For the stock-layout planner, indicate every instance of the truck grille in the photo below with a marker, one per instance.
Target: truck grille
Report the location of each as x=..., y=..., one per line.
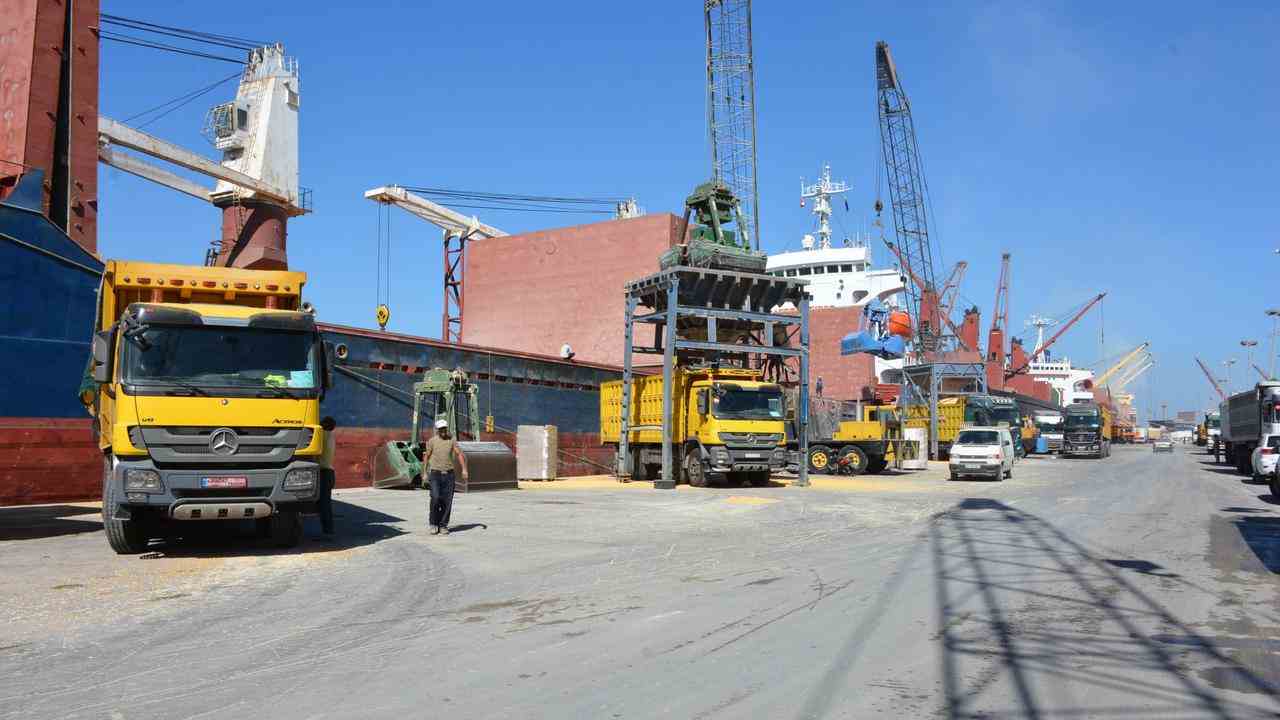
x=190, y=445
x=1081, y=437
x=751, y=439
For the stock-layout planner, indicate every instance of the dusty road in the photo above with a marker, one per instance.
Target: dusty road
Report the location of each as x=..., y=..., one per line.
x=1143, y=586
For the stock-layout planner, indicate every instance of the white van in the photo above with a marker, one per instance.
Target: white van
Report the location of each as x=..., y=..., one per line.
x=983, y=451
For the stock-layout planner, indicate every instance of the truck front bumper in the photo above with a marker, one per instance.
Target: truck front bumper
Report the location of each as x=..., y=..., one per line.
x=222, y=494
x=728, y=459
x=1080, y=448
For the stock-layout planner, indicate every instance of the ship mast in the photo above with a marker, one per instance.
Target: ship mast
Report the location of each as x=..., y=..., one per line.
x=821, y=193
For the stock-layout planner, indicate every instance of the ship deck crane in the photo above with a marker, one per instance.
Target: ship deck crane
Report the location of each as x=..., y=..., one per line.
x=458, y=230
x=995, y=359
x=951, y=291
x=1204, y=368
x=1128, y=357
x=257, y=186
x=1047, y=343
x=1130, y=377
x=1261, y=373
x=918, y=283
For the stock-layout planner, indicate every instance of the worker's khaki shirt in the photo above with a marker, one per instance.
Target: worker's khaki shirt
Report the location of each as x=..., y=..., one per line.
x=440, y=451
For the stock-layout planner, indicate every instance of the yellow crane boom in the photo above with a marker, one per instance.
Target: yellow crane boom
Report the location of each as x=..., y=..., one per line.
x=1102, y=380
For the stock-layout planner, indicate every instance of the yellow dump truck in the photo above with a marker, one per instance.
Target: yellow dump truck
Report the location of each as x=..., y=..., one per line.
x=205, y=386
x=954, y=413
x=725, y=424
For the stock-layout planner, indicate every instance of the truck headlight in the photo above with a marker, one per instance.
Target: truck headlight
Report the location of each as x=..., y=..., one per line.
x=301, y=480
x=142, y=481
x=721, y=455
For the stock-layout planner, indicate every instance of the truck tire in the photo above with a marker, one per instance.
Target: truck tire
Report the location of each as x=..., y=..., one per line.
x=694, y=472
x=286, y=528
x=1008, y=474
x=876, y=465
x=126, y=537
x=853, y=461
x=821, y=459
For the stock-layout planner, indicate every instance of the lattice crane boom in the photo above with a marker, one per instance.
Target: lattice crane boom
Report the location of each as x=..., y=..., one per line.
x=1128, y=358
x=731, y=105
x=908, y=195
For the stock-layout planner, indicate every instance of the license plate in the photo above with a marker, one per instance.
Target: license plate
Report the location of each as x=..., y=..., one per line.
x=750, y=455
x=972, y=466
x=222, y=483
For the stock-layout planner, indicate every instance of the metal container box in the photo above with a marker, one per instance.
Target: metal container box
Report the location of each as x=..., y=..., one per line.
x=491, y=465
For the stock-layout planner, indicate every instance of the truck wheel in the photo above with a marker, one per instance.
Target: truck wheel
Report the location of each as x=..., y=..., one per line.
x=1008, y=474
x=126, y=537
x=694, y=473
x=876, y=465
x=852, y=460
x=286, y=528
x=821, y=459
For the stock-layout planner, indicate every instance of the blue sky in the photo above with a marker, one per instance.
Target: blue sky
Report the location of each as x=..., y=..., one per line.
x=1125, y=147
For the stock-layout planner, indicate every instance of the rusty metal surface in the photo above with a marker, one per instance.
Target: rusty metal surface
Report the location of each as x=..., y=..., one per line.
x=491, y=465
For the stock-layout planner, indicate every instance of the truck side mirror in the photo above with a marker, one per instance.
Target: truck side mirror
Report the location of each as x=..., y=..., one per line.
x=327, y=423
x=326, y=371
x=703, y=402
x=102, y=365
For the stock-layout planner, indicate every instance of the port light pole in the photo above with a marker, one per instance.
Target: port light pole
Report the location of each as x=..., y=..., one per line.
x=1229, y=362
x=1274, y=313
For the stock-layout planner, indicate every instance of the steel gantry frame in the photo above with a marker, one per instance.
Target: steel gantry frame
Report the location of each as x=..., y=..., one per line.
x=717, y=301
x=971, y=379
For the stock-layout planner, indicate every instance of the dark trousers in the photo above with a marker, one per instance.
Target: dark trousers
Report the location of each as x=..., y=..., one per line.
x=441, y=485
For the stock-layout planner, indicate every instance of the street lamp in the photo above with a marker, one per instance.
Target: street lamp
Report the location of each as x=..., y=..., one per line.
x=1275, y=327
x=1229, y=363
x=1248, y=346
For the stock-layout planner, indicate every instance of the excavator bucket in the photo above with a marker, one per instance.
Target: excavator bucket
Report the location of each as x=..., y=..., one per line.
x=396, y=465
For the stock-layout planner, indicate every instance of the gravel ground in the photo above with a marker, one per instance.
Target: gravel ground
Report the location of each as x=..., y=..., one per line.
x=1141, y=586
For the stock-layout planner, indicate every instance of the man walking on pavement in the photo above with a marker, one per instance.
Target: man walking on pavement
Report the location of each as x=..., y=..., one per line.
x=439, y=456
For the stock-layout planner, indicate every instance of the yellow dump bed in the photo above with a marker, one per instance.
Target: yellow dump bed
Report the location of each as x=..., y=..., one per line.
x=125, y=282
x=950, y=418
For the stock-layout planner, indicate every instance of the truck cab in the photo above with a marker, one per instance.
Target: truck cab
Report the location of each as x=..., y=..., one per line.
x=1087, y=430
x=206, y=410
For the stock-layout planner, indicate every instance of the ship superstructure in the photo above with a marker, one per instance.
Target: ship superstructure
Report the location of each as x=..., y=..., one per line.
x=839, y=276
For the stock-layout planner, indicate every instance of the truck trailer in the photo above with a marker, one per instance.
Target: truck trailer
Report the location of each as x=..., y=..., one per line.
x=726, y=424
x=205, y=386
x=1247, y=419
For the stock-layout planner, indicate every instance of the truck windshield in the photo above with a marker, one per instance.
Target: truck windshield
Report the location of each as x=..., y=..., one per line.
x=978, y=437
x=1049, y=425
x=221, y=357
x=1083, y=421
x=738, y=404
x=1215, y=422
x=1006, y=414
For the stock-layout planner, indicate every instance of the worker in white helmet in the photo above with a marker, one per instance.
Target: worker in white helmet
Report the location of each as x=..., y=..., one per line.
x=439, y=456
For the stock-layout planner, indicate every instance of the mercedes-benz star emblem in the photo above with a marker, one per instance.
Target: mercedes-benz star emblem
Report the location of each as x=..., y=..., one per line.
x=224, y=441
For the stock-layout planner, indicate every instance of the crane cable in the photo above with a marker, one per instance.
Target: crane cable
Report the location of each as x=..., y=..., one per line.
x=178, y=102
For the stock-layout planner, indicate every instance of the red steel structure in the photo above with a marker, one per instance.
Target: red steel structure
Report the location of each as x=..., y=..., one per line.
x=48, y=101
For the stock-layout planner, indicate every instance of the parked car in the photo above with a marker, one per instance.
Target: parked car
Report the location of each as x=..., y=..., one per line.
x=984, y=452
x=1162, y=446
x=1264, y=458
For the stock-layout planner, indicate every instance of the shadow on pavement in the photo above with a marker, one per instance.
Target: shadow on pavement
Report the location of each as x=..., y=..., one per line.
x=46, y=521
x=1034, y=625
x=468, y=526
x=1262, y=535
x=354, y=526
